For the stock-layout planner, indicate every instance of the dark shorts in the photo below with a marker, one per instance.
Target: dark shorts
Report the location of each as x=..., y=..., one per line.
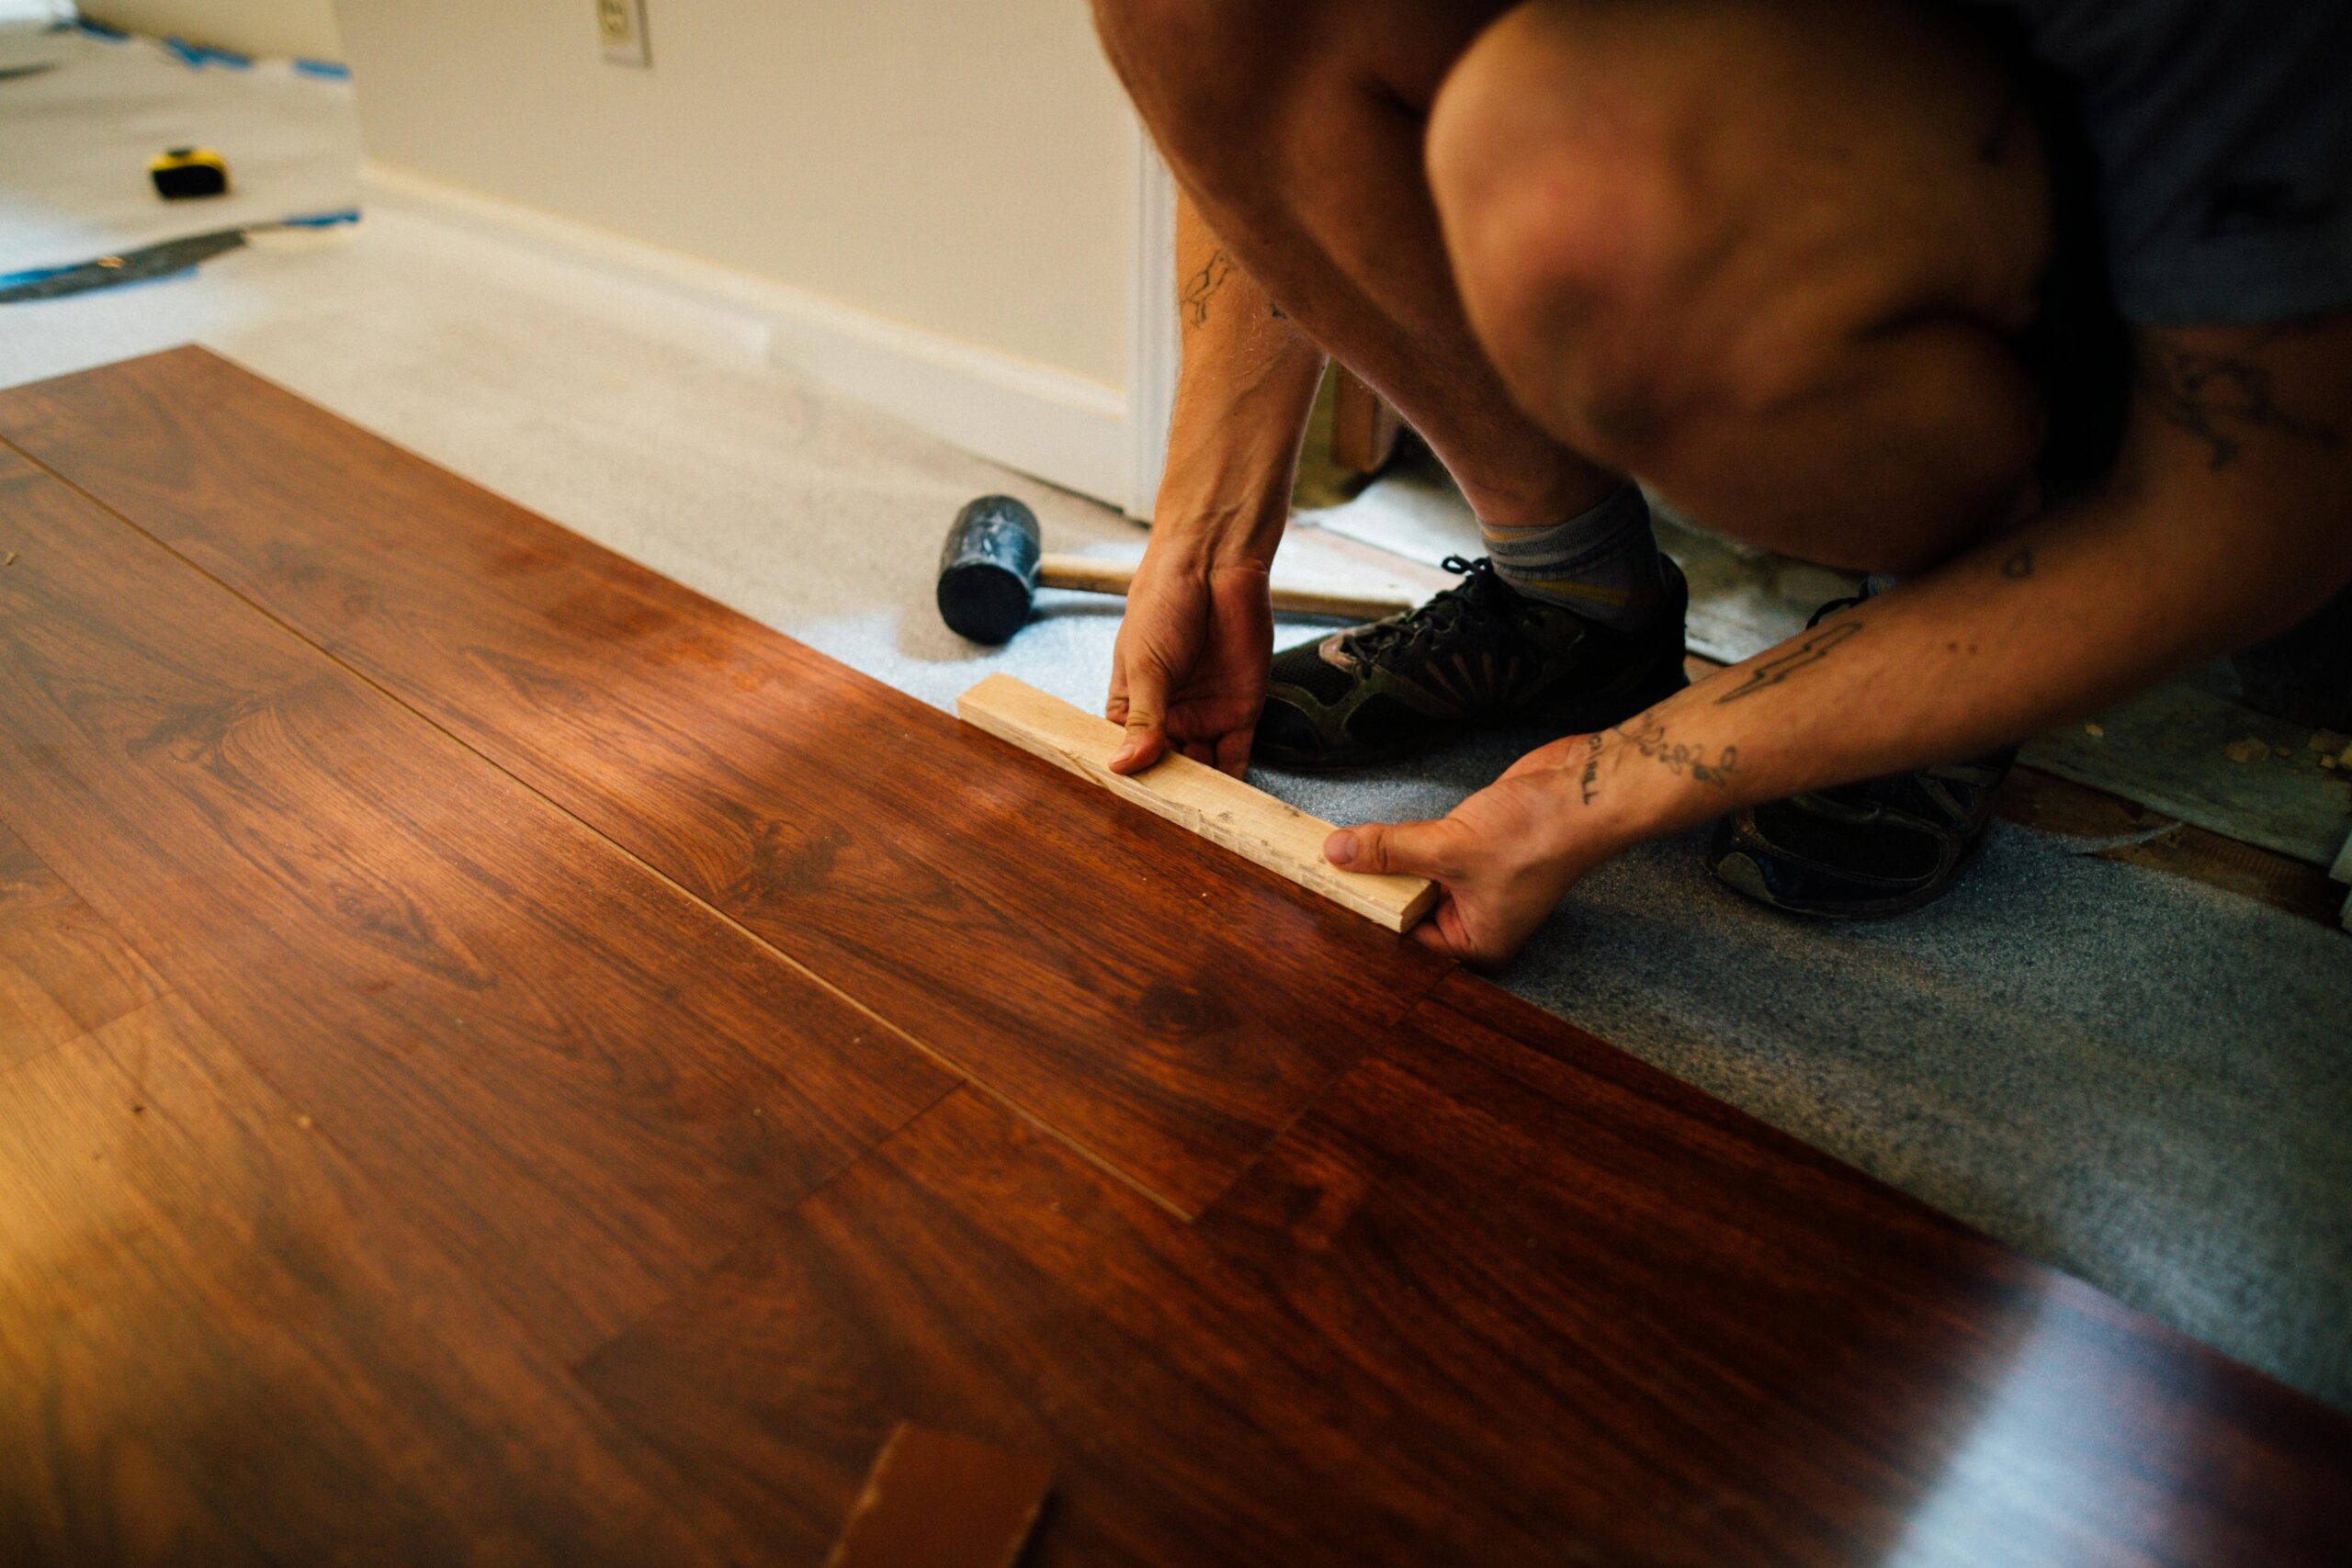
x=2200, y=158
x=2218, y=136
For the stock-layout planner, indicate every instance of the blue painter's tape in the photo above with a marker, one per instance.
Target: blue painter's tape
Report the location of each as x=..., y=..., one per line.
x=306, y=220
x=34, y=275
x=318, y=220
x=15, y=279
x=326, y=69
x=197, y=56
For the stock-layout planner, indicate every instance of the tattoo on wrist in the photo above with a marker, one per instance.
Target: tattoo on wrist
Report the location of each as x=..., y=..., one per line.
x=2220, y=396
x=1202, y=286
x=1648, y=736
x=1590, y=783
x=1816, y=647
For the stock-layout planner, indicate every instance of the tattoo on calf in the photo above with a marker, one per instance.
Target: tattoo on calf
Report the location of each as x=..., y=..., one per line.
x=1812, y=651
x=2217, y=395
x=1202, y=286
x=1649, y=738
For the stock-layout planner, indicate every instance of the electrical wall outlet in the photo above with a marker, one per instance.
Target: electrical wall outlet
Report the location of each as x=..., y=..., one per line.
x=620, y=31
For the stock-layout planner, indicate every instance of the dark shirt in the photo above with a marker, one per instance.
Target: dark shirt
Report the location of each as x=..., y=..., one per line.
x=2220, y=140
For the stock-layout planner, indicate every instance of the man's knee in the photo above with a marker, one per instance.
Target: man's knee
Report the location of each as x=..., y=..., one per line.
x=1641, y=235
x=1580, y=244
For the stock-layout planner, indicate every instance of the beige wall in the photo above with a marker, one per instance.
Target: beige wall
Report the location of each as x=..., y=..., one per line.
x=963, y=166
x=304, y=28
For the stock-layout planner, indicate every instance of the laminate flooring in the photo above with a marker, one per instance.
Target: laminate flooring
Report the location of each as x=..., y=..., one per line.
x=503, y=1059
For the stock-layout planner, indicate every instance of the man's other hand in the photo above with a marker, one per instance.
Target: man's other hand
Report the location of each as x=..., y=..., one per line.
x=1505, y=857
x=1189, y=670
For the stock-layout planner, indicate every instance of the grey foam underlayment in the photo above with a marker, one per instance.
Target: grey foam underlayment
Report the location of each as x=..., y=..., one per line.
x=2140, y=1079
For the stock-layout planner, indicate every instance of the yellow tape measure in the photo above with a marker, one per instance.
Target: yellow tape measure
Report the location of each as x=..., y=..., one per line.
x=188, y=171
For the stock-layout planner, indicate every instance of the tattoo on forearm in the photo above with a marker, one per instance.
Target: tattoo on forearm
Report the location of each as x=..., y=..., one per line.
x=1812, y=651
x=2219, y=397
x=1649, y=738
x=1590, y=781
x=2019, y=565
x=1202, y=286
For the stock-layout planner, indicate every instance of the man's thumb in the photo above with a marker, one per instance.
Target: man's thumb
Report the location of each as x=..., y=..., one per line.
x=1146, y=725
x=1413, y=847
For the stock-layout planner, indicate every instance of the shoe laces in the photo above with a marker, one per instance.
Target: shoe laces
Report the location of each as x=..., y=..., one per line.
x=1835, y=606
x=1831, y=608
x=1480, y=591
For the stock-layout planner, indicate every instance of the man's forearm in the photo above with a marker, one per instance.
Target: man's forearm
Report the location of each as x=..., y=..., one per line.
x=2216, y=530
x=2049, y=625
x=1242, y=401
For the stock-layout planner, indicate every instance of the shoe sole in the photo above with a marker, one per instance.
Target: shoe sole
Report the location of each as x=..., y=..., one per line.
x=1739, y=871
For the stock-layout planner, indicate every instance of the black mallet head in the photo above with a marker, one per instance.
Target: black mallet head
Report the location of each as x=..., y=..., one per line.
x=988, y=570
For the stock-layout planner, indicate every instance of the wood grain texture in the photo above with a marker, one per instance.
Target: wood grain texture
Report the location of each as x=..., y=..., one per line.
x=936, y=1500
x=1035, y=933
x=63, y=971
x=2139, y=836
x=2207, y=761
x=580, y=1081
x=449, y=1092
x=1485, y=1304
x=219, y=1345
x=1197, y=798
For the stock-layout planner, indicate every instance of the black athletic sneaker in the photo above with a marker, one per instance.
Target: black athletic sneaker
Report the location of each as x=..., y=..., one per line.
x=1863, y=851
x=1477, y=655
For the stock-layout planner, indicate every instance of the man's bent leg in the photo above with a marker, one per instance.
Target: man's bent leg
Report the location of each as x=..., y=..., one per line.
x=1296, y=126
x=1770, y=255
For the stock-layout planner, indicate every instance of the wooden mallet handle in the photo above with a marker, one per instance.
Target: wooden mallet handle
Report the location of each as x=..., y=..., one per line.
x=1091, y=576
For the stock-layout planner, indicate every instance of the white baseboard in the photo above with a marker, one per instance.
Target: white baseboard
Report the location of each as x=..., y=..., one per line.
x=1066, y=429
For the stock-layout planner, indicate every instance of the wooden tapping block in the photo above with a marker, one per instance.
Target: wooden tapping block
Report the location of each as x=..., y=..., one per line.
x=1247, y=821
x=936, y=1500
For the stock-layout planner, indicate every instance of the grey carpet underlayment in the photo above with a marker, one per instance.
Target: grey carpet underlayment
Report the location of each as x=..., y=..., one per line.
x=2139, y=1078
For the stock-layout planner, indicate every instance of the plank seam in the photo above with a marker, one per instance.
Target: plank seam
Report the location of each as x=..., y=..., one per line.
x=962, y=1074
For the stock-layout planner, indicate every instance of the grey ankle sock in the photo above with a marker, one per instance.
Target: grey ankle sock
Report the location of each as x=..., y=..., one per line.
x=1603, y=563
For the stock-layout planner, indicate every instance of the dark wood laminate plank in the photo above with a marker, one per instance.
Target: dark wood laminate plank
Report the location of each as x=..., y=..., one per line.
x=937, y=1500
x=63, y=971
x=1099, y=969
x=579, y=1080
x=1482, y=1305
x=219, y=1345
x=2000, y=1411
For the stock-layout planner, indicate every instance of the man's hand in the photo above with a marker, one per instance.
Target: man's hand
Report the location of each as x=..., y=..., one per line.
x=2222, y=523
x=1505, y=856
x=1189, y=669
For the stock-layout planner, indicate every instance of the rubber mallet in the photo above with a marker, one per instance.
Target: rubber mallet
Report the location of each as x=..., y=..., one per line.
x=994, y=564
